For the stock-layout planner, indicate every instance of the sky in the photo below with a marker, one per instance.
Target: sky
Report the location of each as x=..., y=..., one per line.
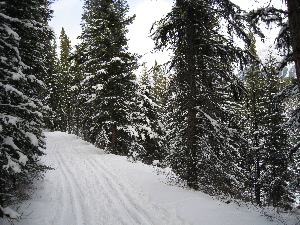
x=67, y=14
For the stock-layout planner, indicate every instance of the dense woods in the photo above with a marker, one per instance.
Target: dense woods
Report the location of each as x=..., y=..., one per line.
x=223, y=119
x=25, y=41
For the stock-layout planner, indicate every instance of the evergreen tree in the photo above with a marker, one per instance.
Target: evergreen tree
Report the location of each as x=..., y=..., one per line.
x=77, y=96
x=65, y=51
x=145, y=77
x=288, y=97
x=254, y=82
x=203, y=139
x=267, y=156
x=147, y=124
x=108, y=67
x=288, y=42
x=278, y=171
x=21, y=110
x=289, y=36
x=50, y=82
x=35, y=44
x=61, y=90
x=159, y=84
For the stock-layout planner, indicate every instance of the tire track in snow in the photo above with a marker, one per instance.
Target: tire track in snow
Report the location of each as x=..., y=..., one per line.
x=61, y=187
x=68, y=193
x=108, y=197
x=138, y=206
x=120, y=200
x=75, y=202
x=111, y=191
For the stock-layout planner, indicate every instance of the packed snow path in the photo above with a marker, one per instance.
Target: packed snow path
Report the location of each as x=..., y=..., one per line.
x=90, y=187
x=85, y=188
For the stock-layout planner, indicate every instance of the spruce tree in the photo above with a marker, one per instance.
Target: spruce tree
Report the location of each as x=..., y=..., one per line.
x=50, y=82
x=266, y=159
x=254, y=82
x=109, y=83
x=21, y=110
x=288, y=38
x=278, y=166
x=77, y=96
x=159, y=84
x=204, y=143
x=146, y=123
x=61, y=99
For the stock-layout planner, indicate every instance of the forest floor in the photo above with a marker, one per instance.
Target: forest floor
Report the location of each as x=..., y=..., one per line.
x=87, y=186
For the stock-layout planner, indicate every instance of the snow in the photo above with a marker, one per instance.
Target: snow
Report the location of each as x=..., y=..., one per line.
x=213, y=122
x=155, y=162
x=22, y=158
x=10, y=88
x=133, y=132
x=98, y=87
x=9, y=18
x=17, y=76
x=102, y=71
x=33, y=139
x=9, y=212
x=87, y=186
x=10, y=32
x=10, y=141
x=12, y=164
x=10, y=119
x=114, y=59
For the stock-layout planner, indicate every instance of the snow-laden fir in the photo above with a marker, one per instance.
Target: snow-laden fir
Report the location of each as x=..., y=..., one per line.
x=88, y=186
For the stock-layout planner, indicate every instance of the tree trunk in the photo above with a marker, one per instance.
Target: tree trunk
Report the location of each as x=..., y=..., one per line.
x=257, y=183
x=192, y=179
x=114, y=138
x=294, y=23
x=257, y=187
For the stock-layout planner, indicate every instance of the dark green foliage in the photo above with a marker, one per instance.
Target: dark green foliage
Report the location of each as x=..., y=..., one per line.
x=267, y=162
x=108, y=81
x=21, y=109
x=60, y=93
x=288, y=42
x=147, y=121
x=202, y=136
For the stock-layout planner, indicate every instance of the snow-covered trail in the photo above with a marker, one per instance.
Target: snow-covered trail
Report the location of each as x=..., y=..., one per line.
x=85, y=188
x=90, y=187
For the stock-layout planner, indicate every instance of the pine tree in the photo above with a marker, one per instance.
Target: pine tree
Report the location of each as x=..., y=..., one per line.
x=294, y=30
x=203, y=140
x=278, y=173
x=108, y=67
x=77, y=96
x=288, y=42
x=288, y=39
x=52, y=97
x=21, y=109
x=61, y=99
x=65, y=51
x=254, y=82
x=288, y=99
x=147, y=124
x=267, y=156
x=159, y=84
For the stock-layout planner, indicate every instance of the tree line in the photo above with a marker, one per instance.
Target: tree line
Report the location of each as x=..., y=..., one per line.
x=221, y=132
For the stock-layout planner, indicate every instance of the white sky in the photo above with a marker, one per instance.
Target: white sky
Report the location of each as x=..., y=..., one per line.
x=67, y=14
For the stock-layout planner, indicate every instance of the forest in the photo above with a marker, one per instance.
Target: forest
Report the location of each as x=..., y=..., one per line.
x=225, y=120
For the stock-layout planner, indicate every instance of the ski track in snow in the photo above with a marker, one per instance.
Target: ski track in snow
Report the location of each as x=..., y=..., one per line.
x=87, y=190
x=89, y=187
